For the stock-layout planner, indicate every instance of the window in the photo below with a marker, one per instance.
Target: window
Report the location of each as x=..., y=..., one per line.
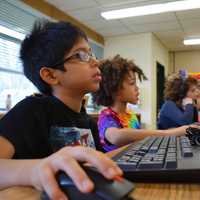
x=96, y=48
x=18, y=17
x=14, y=17
x=13, y=82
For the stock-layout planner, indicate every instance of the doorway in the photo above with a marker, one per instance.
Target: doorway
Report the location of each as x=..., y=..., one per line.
x=160, y=86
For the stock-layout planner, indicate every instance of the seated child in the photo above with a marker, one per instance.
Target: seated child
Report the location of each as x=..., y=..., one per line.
x=117, y=126
x=197, y=104
x=57, y=58
x=179, y=108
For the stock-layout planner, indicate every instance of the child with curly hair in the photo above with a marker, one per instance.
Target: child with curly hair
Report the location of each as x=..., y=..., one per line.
x=118, y=126
x=179, y=108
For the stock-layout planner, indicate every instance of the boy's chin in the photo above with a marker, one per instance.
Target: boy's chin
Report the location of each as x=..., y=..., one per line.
x=135, y=102
x=93, y=89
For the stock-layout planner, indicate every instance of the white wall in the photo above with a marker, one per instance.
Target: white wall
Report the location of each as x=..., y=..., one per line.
x=189, y=60
x=144, y=49
x=159, y=54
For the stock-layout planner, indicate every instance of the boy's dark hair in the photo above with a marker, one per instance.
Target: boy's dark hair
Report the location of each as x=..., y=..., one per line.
x=113, y=74
x=176, y=88
x=46, y=45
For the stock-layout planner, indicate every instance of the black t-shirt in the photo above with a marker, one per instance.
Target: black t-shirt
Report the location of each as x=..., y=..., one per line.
x=38, y=126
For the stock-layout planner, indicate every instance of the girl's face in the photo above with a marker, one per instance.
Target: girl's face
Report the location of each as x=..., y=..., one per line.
x=129, y=93
x=192, y=92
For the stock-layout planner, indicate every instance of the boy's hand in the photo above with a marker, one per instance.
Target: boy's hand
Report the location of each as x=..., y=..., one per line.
x=66, y=159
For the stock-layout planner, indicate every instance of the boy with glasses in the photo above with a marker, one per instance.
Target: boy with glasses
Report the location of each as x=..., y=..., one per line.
x=45, y=130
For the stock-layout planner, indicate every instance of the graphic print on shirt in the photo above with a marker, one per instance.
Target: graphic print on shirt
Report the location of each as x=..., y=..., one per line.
x=70, y=136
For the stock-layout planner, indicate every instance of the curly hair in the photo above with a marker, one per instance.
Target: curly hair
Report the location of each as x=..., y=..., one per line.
x=176, y=88
x=113, y=73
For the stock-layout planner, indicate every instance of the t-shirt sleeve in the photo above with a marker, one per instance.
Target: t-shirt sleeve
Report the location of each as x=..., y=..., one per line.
x=105, y=122
x=17, y=126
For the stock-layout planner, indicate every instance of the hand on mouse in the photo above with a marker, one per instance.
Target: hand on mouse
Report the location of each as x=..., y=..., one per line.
x=182, y=129
x=66, y=159
x=179, y=131
x=195, y=125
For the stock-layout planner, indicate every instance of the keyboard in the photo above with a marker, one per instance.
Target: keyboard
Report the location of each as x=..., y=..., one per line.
x=161, y=159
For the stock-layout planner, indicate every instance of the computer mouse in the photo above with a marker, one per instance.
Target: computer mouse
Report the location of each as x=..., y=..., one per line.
x=104, y=189
x=194, y=135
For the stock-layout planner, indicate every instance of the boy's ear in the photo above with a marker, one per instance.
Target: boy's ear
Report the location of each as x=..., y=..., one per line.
x=48, y=75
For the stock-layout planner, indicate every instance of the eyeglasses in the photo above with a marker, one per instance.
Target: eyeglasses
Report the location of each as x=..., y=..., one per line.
x=81, y=55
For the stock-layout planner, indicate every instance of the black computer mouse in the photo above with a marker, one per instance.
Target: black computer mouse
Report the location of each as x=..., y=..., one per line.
x=194, y=135
x=104, y=189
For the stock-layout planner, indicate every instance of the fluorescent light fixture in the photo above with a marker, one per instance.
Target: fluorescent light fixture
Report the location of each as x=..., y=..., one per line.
x=11, y=33
x=152, y=9
x=192, y=41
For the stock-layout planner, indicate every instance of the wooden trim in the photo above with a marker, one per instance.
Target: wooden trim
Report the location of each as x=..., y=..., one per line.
x=57, y=14
x=1, y=115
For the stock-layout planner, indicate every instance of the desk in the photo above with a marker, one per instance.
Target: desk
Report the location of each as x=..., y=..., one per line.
x=143, y=191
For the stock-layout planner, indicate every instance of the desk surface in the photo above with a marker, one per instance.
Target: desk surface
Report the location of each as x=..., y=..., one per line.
x=143, y=191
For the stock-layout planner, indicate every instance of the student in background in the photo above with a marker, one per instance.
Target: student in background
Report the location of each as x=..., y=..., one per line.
x=178, y=108
x=197, y=101
x=57, y=58
x=118, y=126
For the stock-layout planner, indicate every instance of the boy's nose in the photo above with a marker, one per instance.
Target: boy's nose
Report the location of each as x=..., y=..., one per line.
x=95, y=62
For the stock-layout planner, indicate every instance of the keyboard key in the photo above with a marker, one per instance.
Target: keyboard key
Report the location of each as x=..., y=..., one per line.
x=150, y=165
x=170, y=163
x=127, y=165
x=187, y=152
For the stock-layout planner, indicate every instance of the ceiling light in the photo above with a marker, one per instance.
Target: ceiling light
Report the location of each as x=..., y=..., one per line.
x=11, y=33
x=152, y=9
x=192, y=41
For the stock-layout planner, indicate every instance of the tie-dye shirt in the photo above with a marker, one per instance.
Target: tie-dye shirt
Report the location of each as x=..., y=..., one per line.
x=109, y=118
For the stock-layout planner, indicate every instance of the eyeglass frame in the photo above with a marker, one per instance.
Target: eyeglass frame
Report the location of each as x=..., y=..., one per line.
x=91, y=55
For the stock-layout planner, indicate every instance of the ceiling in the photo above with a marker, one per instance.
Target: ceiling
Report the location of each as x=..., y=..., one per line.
x=169, y=28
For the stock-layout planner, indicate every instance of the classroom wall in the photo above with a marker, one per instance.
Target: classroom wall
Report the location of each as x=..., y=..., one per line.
x=159, y=54
x=145, y=50
x=138, y=48
x=189, y=60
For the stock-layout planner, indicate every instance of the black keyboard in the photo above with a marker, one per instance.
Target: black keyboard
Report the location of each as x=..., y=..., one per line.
x=161, y=159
